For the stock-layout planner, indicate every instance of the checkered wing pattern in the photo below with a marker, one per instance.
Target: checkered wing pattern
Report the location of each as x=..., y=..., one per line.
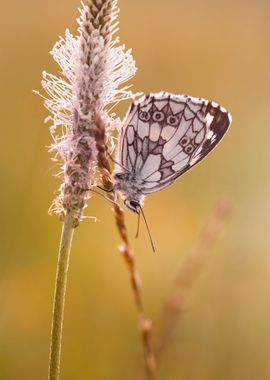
x=165, y=135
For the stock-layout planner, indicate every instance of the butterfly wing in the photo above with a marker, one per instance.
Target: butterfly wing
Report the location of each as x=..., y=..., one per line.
x=166, y=135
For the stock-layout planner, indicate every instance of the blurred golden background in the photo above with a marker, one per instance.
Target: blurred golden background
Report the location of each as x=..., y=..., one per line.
x=218, y=50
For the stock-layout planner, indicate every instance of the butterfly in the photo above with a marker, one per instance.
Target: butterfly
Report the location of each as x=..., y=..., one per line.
x=163, y=136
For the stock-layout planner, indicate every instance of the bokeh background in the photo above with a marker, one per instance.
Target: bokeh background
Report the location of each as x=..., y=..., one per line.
x=213, y=49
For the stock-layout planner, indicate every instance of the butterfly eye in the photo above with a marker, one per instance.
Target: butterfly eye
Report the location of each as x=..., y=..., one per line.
x=173, y=120
x=158, y=116
x=144, y=116
x=189, y=149
x=134, y=204
x=184, y=141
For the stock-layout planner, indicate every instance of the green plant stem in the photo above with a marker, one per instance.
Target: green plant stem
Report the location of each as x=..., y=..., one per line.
x=59, y=297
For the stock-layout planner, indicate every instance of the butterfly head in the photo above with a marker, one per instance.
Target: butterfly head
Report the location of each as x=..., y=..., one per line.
x=128, y=186
x=132, y=205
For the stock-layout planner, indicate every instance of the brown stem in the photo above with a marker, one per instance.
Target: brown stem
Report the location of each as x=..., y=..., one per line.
x=180, y=296
x=145, y=326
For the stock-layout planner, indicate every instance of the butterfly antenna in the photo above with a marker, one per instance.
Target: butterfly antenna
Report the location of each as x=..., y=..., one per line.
x=148, y=230
x=138, y=225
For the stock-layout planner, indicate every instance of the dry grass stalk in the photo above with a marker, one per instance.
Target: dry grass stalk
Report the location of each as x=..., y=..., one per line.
x=181, y=295
x=145, y=326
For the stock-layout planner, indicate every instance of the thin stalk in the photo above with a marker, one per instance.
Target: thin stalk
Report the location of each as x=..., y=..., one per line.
x=59, y=297
x=145, y=325
x=182, y=292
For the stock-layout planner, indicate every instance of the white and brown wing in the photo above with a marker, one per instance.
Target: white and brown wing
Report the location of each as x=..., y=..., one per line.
x=165, y=135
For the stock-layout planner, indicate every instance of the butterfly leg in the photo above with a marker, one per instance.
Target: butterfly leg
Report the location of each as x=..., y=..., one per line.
x=115, y=197
x=107, y=191
x=114, y=201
